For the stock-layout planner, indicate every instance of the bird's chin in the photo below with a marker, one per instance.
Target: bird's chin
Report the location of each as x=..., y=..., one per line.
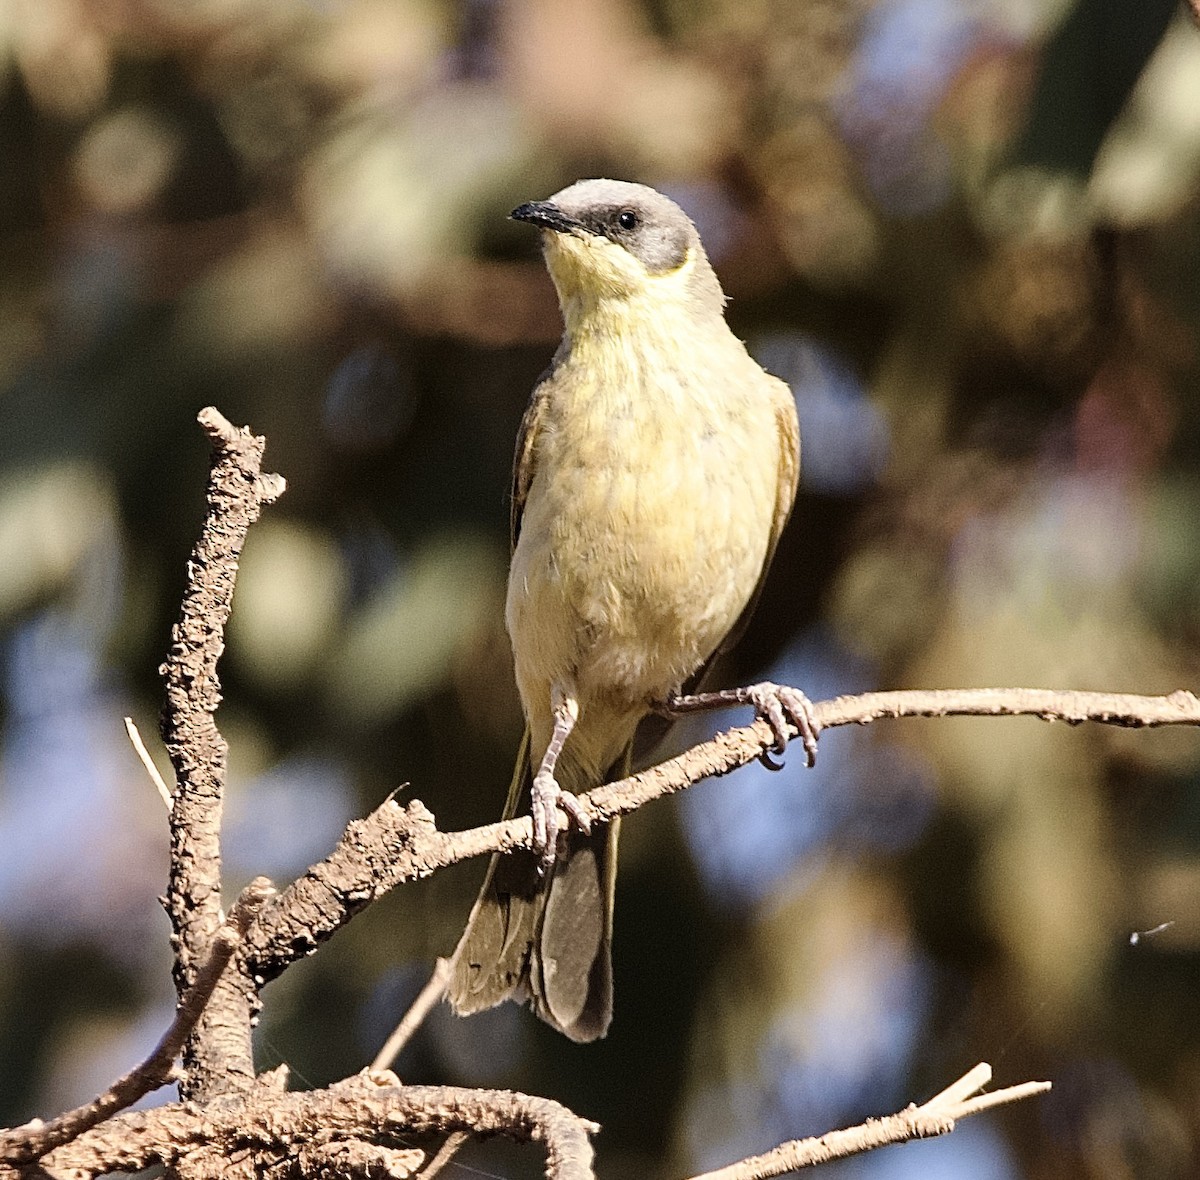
x=587, y=267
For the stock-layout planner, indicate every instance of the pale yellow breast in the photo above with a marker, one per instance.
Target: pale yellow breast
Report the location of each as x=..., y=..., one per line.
x=647, y=522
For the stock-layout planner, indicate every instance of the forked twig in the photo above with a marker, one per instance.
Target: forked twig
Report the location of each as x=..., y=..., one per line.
x=33, y=1140
x=935, y=1117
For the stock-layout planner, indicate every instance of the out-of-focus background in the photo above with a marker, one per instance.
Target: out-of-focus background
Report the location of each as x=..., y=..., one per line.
x=967, y=232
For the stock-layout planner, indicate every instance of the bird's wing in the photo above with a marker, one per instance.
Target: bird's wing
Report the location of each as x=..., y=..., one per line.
x=788, y=433
x=655, y=727
x=523, y=466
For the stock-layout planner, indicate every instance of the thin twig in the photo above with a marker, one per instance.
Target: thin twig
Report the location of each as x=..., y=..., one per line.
x=935, y=1117
x=427, y=999
x=445, y=1153
x=737, y=747
x=33, y=1140
x=139, y=748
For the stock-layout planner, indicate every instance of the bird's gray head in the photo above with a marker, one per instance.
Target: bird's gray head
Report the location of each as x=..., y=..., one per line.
x=610, y=239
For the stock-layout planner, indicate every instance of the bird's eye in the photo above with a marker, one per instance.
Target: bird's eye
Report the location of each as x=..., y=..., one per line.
x=627, y=219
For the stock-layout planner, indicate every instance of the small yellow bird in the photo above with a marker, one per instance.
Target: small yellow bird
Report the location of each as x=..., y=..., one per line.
x=655, y=469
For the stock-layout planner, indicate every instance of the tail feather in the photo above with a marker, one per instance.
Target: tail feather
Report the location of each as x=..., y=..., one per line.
x=544, y=940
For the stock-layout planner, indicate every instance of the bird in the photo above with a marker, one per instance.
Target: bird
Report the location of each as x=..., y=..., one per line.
x=656, y=466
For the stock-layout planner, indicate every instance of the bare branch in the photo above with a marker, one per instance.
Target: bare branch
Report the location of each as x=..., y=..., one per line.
x=366, y=1120
x=27, y=1143
x=352, y=1159
x=737, y=747
x=218, y=1055
x=395, y=844
x=427, y=999
x=391, y=845
x=265, y=1127
x=935, y=1117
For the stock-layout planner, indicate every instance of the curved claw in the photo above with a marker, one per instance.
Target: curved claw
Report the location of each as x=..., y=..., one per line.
x=547, y=798
x=778, y=704
x=575, y=811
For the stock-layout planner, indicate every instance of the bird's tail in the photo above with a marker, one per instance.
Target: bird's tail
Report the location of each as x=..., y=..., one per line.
x=545, y=940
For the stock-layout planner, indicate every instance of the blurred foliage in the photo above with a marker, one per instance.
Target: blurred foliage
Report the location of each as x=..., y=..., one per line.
x=966, y=231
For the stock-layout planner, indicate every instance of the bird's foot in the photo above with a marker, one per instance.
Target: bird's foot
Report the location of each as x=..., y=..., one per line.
x=547, y=798
x=777, y=704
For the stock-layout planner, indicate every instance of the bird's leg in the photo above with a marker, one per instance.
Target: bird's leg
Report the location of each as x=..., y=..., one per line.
x=776, y=704
x=547, y=795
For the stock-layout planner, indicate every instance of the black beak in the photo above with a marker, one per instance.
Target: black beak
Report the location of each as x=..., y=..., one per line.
x=546, y=215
